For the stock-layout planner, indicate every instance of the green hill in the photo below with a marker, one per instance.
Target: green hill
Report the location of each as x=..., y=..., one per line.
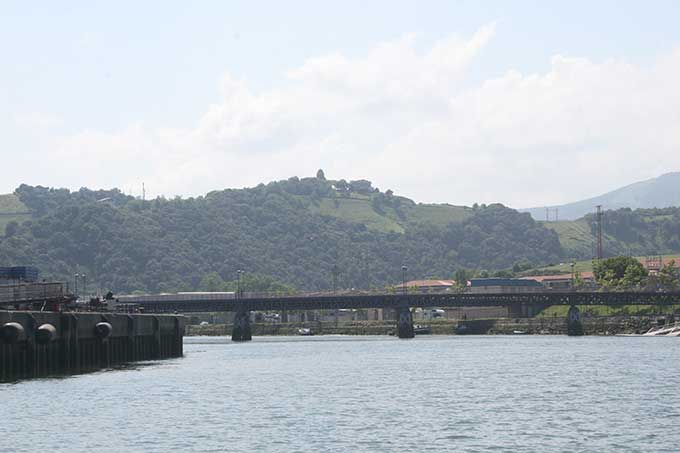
x=296, y=231
x=625, y=232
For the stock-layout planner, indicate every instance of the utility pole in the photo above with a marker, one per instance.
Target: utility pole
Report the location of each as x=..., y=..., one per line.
x=334, y=271
x=599, y=232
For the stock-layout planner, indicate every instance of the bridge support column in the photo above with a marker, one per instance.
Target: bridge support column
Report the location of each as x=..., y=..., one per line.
x=405, y=323
x=574, y=325
x=241, y=328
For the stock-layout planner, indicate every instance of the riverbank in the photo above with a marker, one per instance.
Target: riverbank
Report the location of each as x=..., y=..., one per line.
x=605, y=325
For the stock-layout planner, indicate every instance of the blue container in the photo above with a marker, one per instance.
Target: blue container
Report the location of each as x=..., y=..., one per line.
x=23, y=273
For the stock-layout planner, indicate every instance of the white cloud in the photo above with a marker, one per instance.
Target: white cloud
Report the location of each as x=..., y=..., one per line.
x=405, y=119
x=36, y=120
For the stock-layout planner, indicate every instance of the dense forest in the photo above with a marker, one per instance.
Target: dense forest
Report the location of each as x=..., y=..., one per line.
x=284, y=234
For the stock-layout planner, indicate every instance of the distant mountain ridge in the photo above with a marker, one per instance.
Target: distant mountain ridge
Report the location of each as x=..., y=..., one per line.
x=660, y=192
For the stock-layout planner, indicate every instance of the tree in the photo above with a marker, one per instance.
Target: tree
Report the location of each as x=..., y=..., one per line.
x=462, y=276
x=668, y=276
x=578, y=280
x=11, y=228
x=212, y=282
x=620, y=272
x=320, y=175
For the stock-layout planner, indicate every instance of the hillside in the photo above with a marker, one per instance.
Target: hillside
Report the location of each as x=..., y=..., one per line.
x=12, y=210
x=625, y=232
x=660, y=192
x=295, y=231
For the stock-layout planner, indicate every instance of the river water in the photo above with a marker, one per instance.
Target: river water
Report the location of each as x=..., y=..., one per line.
x=356, y=394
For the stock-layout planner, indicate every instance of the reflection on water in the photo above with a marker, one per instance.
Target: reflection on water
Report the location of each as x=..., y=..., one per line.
x=364, y=394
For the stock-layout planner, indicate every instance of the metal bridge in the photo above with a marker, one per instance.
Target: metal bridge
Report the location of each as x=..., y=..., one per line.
x=539, y=300
x=518, y=304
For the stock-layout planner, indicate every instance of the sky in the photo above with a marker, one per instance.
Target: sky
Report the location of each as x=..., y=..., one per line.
x=526, y=103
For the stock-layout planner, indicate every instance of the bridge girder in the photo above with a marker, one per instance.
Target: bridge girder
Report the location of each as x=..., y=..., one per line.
x=392, y=301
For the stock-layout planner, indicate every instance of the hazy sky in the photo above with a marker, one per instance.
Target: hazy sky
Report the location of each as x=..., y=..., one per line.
x=521, y=102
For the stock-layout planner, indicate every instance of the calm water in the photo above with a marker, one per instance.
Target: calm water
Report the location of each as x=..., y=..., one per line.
x=377, y=394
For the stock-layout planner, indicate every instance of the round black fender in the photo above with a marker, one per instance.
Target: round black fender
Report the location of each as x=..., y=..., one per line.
x=46, y=333
x=103, y=330
x=12, y=332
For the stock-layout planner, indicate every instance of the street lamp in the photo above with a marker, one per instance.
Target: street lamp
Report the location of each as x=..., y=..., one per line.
x=335, y=278
x=238, y=284
x=403, y=278
x=573, y=276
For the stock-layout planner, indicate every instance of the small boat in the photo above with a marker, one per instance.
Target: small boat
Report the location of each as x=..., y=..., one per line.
x=665, y=331
x=305, y=332
x=519, y=332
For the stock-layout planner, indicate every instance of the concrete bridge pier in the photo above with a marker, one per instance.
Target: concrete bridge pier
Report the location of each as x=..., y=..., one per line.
x=574, y=325
x=241, y=329
x=405, y=323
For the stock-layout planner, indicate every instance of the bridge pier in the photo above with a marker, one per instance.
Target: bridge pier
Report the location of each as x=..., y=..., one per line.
x=241, y=329
x=574, y=325
x=405, y=323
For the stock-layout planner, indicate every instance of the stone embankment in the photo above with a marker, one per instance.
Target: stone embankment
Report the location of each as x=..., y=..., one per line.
x=611, y=325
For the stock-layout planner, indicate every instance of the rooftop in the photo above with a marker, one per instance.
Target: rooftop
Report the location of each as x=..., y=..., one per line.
x=430, y=283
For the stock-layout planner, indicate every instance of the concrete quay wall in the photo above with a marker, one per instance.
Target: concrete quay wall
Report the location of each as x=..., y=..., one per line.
x=38, y=344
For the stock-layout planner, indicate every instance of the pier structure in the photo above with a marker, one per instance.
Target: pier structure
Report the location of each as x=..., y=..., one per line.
x=519, y=305
x=39, y=343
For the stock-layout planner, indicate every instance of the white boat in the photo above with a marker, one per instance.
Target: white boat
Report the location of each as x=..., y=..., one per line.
x=665, y=331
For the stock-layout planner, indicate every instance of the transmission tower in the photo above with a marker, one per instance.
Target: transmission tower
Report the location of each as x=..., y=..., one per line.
x=599, y=231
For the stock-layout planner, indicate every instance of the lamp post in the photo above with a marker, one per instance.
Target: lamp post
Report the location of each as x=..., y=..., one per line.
x=75, y=286
x=335, y=278
x=403, y=279
x=573, y=276
x=238, y=284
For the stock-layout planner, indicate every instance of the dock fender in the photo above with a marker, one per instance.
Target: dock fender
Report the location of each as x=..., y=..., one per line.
x=103, y=330
x=12, y=332
x=46, y=333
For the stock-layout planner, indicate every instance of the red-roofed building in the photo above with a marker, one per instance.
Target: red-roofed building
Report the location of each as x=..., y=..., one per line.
x=653, y=264
x=561, y=281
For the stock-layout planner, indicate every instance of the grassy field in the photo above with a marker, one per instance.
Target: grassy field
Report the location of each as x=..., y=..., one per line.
x=10, y=203
x=357, y=211
x=360, y=210
x=575, y=236
x=12, y=209
x=602, y=310
x=587, y=266
x=438, y=214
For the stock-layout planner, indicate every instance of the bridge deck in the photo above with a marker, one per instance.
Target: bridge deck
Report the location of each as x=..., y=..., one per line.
x=543, y=299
